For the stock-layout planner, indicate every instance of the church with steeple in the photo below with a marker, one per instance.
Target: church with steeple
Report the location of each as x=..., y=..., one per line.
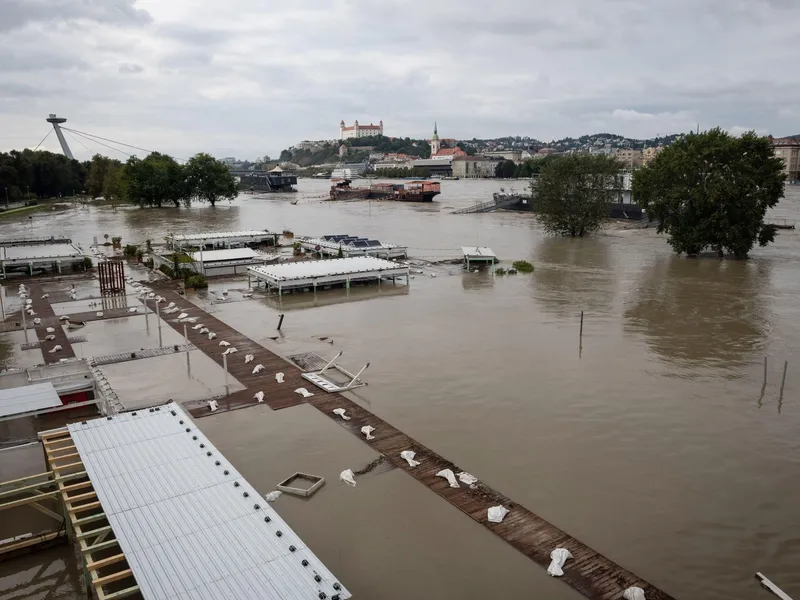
x=444, y=149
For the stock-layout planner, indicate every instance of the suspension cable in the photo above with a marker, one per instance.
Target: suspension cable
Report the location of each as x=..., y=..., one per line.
x=98, y=142
x=43, y=139
x=90, y=135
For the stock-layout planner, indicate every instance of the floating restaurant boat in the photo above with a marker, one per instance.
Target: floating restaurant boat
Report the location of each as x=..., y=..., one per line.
x=412, y=191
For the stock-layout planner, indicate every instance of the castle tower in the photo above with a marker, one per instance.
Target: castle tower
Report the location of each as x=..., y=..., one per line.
x=436, y=145
x=56, y=121
x=341, y=130
x=381, y=124
x=355, y=129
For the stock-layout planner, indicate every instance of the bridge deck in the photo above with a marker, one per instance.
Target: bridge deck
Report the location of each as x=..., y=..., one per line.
x=589, y=572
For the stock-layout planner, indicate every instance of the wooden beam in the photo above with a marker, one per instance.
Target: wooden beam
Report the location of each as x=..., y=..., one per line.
x=89, y=519
x=47, y=474
x=91, y=532
x=32, y=541
x=100, y=581
x=76, y=486
x=75, y=464
x=85, y=496
x=70, y=455
x=47, y=511
x=54, y=433
x=104, y=562
x=60, y=448
x=100, y=546
x=26, y=488
x=83, y=507
x=122, y=593
x=29, y=500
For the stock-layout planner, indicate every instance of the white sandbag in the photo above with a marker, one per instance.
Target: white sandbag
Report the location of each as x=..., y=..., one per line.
x=171, y=305
x=248, y=358
x=212, y=335
x=56, y=348
x=63, y=318
x=367, y=431
x=49, y=338
x=259, y=396
x=408, y=456
x=28, y=301
x=633, y=593
x=99, y=313
x=304, y=392
x=465, y=477
x=279, y=378
x=272, y=496
x=450, y=476
x=45, y=296
x=37, y=321
x=496, y=514
x=183, y=315
x=230, y=350
x=224, y=343
x=348, y=477
x=257, y=369
x=198, y=326
x=204, y=331
x=340, y=412
x=558, y=557
x=133, y=309
x=212, y=404
x=50, y=330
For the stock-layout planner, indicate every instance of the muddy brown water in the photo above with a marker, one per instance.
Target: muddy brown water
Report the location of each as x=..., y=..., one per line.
x=653, y=443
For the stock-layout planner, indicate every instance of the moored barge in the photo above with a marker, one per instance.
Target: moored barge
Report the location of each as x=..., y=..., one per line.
x=412, y=191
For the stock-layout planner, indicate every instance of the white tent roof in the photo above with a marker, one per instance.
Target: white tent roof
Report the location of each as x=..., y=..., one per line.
x=28, y=398
x=478, y=252
x=326, y=268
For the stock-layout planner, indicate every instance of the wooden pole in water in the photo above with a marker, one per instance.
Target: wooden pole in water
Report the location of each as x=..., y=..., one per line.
x=225, y=366
x=185, y=335
x=765, y=370
x=783, y=381
x=24, y=326
x=581, y=334
x=158, y=316
x=280, y=320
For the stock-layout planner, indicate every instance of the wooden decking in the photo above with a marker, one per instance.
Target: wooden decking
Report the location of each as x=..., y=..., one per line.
x=44, y=311
x=589, y=572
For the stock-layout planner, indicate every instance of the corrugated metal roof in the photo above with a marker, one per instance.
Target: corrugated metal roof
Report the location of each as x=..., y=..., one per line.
x=186, y=237
x=14, y=401
x=228, y=254
x=187, y=530
x=478, y=251
x=40, y=251
x=324, y=268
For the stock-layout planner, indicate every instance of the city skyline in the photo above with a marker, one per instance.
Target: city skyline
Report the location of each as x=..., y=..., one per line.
x=183, y=77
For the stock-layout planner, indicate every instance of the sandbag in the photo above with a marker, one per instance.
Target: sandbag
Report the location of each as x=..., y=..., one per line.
x=279, y=377
x=558, y=557
x=304, y=392
x=408, y=456
x=633, y=593
x=450, y=476
x=340, y=412
x=348, y=477
x=496, y=514
x=367, y=431
x=272, y=496
x=465, y=477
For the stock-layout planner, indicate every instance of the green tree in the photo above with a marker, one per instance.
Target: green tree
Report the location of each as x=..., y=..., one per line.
x=573, y=193
x=97, y=174
x=505, y=169
x=155, y=180
x=209, y=180
x=112, y=182
x=712, y=190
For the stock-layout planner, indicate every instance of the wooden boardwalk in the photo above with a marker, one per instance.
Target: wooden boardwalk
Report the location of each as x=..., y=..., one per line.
x=589, y=572
x=44, y=311
x=111, y=359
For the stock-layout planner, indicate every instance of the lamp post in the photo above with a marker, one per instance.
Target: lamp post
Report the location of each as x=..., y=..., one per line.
x=6, y=197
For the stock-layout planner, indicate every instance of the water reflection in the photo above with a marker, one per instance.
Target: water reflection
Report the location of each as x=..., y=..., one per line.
x=702, y=311
x=573, y=275
x=481, y=280
x=222, y=217
x=303, y=300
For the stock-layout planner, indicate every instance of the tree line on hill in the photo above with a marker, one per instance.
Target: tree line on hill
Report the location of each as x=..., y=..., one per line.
x=706, y=191
x=156, y=180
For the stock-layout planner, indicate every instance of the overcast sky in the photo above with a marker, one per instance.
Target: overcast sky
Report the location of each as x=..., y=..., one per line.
x=249, y=77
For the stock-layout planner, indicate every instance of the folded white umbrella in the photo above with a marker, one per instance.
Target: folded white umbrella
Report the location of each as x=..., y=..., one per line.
x=279, y=377
x=557, y=559
x=496, y=514
x=212, y=335
x=50, y=330
x=259, y=396
x=340, y=412
x=248, y=358
x=304, y=393
x=450, y=476
x=257, y=369
x=367, y=431
x=408, y=456
x=224, y=343
x=348, y=477
x=212, y=404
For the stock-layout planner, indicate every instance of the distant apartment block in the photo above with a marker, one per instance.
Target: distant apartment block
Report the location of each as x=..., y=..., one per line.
x=788, y=150
x=629, y=157
x=513, y=155
x=648, y=154
x=359, y=131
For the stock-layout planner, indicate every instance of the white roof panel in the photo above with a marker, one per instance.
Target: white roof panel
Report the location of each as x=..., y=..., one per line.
x=189, y=524
x=326, y=268
x=228, y=254
x=187, y=237
x=40, y=251
x=478, y=251
x=27, y=398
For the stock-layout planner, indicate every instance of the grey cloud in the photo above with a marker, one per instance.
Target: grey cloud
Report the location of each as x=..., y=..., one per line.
x=15, y=14
x=13, y=60
x=130, y=68
x=202, y=36
x=185, y=59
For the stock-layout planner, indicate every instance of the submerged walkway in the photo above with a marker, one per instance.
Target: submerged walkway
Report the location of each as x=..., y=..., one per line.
x=41, y=306
x=589, y=572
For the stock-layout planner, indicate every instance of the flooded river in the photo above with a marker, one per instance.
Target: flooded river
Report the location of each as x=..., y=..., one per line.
x=655, y=441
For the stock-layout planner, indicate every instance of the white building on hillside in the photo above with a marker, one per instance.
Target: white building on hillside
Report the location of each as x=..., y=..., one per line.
x=359, y=131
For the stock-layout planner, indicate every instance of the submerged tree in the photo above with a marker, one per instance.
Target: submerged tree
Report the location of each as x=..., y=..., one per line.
x=156, y=180
x=573, y=193
x=209, y=180
x=712, y=190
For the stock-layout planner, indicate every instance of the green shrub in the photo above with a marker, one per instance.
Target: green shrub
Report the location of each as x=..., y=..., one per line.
x=167, y=270
x=523, y=266
x=130, y=250
x=500, y=271
x=149, y=263
x=87, y=262
x=183, y=258
x=196, y=281
x=116, y=240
